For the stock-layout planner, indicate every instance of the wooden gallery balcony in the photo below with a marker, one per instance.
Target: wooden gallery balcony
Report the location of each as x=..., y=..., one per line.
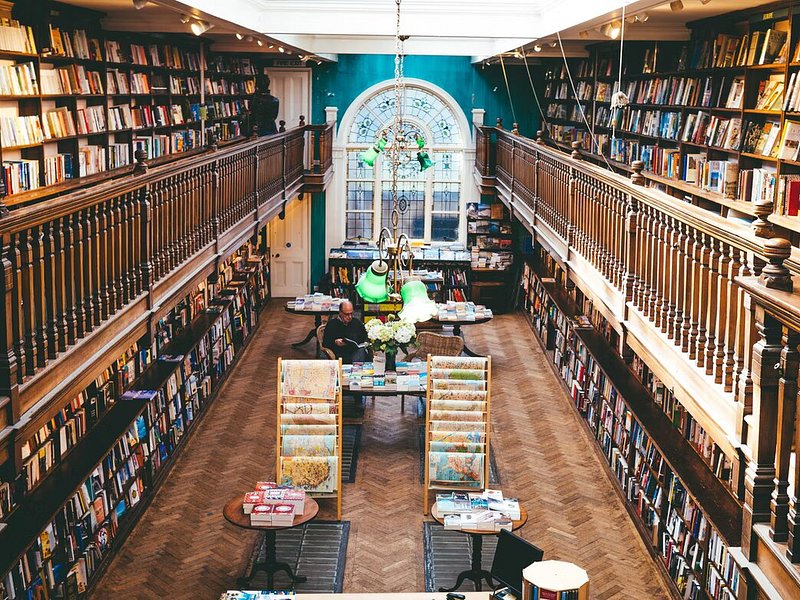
x=89, y=272
x=694, y=296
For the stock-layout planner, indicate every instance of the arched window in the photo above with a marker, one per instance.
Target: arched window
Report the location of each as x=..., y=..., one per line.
x=430, y=201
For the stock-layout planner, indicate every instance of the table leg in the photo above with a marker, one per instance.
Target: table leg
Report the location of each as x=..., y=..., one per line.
x=475, y=573
x=311, y=334
x=270, y=565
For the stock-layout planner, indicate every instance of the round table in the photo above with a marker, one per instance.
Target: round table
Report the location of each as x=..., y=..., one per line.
x=457, y=325
x=476, y=572
x=318, y=314
x=234, y=513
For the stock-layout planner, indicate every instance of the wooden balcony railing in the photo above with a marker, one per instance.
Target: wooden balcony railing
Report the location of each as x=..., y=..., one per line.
x=678, y=282
x=74, y=264
x=321, y=142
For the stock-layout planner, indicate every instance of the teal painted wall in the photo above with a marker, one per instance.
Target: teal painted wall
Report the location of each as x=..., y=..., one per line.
x=472, y=86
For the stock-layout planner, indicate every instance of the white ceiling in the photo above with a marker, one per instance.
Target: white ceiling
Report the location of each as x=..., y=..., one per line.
x=474, y=28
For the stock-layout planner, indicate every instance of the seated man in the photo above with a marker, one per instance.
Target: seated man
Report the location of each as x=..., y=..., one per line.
x=343, y=333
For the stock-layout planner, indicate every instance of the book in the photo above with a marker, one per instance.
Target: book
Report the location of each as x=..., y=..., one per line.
x=356, y=344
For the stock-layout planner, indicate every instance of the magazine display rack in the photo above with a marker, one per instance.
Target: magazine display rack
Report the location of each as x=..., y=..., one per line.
x=457, y=424
x=309, y=440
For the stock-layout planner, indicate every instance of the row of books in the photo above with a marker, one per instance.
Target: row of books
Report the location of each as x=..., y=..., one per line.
x=156, y=55
x=687, y=91
x=563, y=91
x=15, y=37
x=18, y=79
x=21, y=175
x=653, y=123
x=74, y=44
x=225, y=87
x=20, y=131
x=760, y=48
x=71, y=80
x=231, y=64
x=370, y=252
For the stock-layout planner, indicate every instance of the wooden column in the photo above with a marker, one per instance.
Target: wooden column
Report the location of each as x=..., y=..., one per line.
x=787, y=401
x=760, y=473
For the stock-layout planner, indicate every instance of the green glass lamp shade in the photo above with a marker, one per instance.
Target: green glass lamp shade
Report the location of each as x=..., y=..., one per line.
x=417, y=307
x=371, y=155
x=372, y=286
x=425, y=161
x=420, y=142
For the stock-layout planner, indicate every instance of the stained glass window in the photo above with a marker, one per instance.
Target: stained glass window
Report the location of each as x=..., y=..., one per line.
x=429, y=201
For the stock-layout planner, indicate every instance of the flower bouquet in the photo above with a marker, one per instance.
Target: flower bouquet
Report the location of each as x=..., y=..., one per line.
x=389, y=336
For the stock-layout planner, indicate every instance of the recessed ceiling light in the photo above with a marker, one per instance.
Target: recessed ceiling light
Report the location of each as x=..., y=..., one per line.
x=200, y=27
x=676, y=5
x=537, y=48
x=139, y=4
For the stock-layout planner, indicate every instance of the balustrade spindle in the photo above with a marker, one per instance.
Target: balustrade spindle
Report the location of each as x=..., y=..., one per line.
x=70, y=313
x=671, y=269
x=102, y=259
x=722, y=303
x=662, y=274
x=705, y=278
x=48, y=298
x=39, y=291
x=713, y=305
x=681, y=283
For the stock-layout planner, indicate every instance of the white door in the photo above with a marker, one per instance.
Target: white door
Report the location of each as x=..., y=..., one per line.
x=290, y=249
x=292, y=87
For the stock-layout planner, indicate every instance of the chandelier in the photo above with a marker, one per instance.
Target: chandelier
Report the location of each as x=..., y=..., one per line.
x=386, y=277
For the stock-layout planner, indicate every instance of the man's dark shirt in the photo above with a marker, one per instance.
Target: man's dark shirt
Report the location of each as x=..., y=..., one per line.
x=263, y=112
x=335, y=329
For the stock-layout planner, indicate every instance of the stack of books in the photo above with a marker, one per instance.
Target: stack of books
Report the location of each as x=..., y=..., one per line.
x=316, y=302
x=409, y=376
x=463, y=311
x=257, y=595
x=270, y=504
x=487, y=511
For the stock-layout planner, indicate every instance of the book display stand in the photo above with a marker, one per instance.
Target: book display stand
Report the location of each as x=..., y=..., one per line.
x=457, y=424
x=554, y=580
x=309, y=440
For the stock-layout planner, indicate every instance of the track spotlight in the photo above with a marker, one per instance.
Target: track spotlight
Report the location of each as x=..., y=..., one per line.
x=612, y=29
x=676, y=5
x=281, y=50
x=185, y=19
x=319, y=62
x=239, y=36
x=270, y=46
x=200, y=27
x=642, y=17
x=259, y=42
x=248, y=38
x=537, y=48
x=630, y=19
x=139, y=4
x=583, y=34
x=704, y=1
x=553, y=44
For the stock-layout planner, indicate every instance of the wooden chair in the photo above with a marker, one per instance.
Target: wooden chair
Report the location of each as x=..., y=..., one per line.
x=436, y=344
x=327, y=352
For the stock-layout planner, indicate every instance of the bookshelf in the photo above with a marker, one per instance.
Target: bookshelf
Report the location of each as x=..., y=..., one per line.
x=309, y=435
x=490, y=239
x=716, y=121
x=78, y=102
x=457, y=424
x=107, y=450
x=345, y=266
x=682, y=506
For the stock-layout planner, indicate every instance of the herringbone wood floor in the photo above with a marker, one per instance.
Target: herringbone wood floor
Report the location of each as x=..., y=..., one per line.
x=184, y=548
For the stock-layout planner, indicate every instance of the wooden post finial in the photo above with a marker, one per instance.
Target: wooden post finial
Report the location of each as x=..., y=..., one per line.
x=540, y=136
x=515, y=128
x=140, y=167
x=775, y=275
x=576, y=150
x=302, y=120
x=254, y=132
x=499, y=122
x=636, y=177
x=211, y=140
x=282, y=127
x=761, y=226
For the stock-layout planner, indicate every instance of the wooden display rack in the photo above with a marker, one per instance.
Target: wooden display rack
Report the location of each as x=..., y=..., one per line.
x=337, y=400
x=470, y=363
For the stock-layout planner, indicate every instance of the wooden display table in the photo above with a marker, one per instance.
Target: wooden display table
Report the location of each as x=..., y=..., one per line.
x=476, y=572
x=548, y=578
x=402, y=596
x=234, y=513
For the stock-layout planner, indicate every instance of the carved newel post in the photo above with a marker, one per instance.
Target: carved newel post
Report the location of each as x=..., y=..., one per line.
x=636, y=177
x=140, y=168
x=499, y=123
x=761, y=226
x=515, y=128
x=540, y=137
x=576, y=150
x=302, y=120
x=775, y=275
x=282, y=126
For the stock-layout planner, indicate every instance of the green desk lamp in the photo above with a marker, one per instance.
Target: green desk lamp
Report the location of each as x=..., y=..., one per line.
x=417, y=307
x=372, y=286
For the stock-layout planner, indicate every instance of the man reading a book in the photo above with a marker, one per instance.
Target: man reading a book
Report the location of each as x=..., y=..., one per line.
x=346, y=336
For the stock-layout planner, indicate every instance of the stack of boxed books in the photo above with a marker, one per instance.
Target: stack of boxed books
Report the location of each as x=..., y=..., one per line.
x=487, y=511
x=269, y=504
x=316, y=302
x=257, y=595
x=463, y=311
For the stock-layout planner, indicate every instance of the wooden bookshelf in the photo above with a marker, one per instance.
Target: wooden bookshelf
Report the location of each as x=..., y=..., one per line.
x=684, y=512
x=93, y=98
x=160, y=388
x=705, y=103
